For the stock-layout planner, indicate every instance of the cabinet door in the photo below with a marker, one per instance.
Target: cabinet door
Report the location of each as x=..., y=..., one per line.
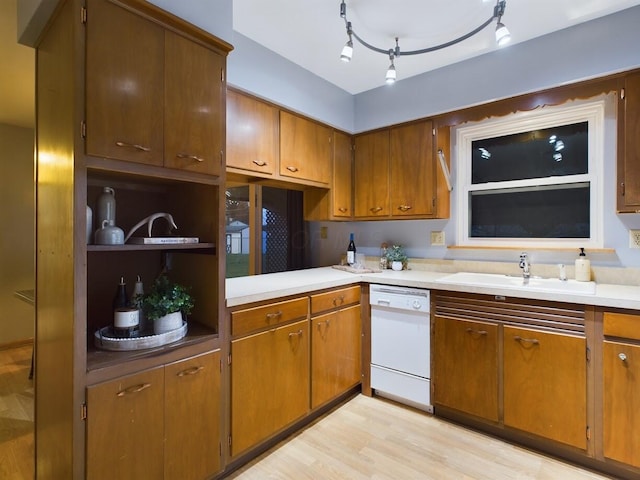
x=192, y=435
x=194, y=108
x=629, y=146
x=305, y=149
x=371, y=175
x=252, y=134
x=412, y=183
x=125, y=427
x=269, y=383
x=539, y=396
x=621, y=410
x=335, y=354
x=342, y=190
x=124, y=85
x=465, y=366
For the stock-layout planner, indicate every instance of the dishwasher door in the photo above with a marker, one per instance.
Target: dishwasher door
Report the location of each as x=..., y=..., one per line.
x=400, y=344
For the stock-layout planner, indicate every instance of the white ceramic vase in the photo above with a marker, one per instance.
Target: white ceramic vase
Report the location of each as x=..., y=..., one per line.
x=169, y=322
x=397, y=266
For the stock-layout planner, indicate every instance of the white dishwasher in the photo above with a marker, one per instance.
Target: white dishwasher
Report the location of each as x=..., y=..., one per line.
x=400, y=344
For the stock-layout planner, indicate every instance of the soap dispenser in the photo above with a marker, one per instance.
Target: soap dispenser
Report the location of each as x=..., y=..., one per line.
x=583, y=267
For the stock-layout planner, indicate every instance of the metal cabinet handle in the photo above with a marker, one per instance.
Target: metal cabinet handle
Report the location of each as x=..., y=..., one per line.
x=191, y=157
x=295, y=334
x=134, y=389
x=292, y=169
x=518, y=338
x=404, y=208
x=142, y=148
x=271, y=316
x=190, y=371
x=325, y=322
x=622, y=357
x=338, y=300
x=476, y=332
x=343, y=210
x=375, y=209
x=260, y=163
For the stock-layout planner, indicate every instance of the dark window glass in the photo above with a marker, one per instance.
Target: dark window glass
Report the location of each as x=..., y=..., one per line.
x=538, y=212
x=556, y=151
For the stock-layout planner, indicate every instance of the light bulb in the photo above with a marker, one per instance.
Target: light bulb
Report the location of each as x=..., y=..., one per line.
x=502, y=34
x=347, y=52
x=391, y=74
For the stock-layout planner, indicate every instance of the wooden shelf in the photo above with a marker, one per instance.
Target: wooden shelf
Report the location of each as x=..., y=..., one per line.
x=134, y=247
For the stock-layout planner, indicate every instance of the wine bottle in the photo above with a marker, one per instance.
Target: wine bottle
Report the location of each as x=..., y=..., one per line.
x=351, y=251
x=125, y=318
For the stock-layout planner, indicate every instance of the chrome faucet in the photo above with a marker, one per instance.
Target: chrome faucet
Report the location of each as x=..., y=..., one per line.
x=525, y=265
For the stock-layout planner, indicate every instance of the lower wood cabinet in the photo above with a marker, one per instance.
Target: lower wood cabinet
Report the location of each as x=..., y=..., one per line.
x=465, y=374
x=545, y=384
x=269, y=383
x=335, y=353
x=621, y=388
x=162, y=423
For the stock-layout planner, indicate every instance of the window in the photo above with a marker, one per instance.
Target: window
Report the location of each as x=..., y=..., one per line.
x=532, y=178
x=264, y=230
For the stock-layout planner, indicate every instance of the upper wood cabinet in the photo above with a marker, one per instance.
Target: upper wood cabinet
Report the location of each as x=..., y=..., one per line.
x=337, y=202
x=160, y=103
x=193, y=106
x=629, y=145
x=371, y=175
x=124, y=85
x=252, y=134
x=395, y=173
x=305, y=149
x=412, y=171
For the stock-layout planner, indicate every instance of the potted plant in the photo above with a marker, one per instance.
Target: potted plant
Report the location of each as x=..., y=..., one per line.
x=166, y=304
x=396, y=257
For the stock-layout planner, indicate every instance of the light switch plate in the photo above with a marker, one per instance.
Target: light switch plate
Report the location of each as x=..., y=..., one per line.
x=634, y=238
x=323, y=232
x=437, y=239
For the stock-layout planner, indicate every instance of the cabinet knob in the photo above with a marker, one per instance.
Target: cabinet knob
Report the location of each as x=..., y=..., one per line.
x=190, y=157
x=292, y=169
x=260, y=163
x=622, y=357
x=142, y=148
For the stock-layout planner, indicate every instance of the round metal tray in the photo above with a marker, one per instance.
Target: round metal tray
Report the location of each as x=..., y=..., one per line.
x=104, y=339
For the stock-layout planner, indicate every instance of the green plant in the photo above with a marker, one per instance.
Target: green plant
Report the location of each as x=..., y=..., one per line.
x=166, y=297
x=396, y=254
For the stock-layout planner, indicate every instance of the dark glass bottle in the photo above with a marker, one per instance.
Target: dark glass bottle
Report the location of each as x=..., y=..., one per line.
x=351, y=251
x=126, y=321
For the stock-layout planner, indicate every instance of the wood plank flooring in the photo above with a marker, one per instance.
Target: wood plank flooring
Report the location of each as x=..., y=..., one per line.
x=371, y=438
x=16, y=414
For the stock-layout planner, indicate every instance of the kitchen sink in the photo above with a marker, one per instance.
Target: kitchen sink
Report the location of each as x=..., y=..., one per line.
x=535, y=284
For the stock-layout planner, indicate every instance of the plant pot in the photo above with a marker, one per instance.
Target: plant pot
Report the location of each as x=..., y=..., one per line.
x=169, y=322
x=397, y=266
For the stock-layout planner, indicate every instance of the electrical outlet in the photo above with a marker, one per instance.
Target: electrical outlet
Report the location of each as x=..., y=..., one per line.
x=323, y=232
x=634, y=238
x=437, y=238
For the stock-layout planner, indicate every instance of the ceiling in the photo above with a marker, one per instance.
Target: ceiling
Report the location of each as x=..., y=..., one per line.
x=311, y=34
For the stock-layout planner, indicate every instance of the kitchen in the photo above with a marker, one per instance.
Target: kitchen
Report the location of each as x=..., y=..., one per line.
x=409, y=235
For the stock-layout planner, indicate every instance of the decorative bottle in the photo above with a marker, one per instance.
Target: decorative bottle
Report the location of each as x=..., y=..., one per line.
x=136, y=302
x=383, y=256
x=107, y=207
x=126, y=320
x=351, y=251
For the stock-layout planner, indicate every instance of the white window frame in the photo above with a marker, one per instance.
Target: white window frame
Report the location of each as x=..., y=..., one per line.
x=591, y=111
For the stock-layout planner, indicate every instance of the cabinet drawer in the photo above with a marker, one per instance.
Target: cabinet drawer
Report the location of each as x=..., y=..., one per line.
x=336, y=298
x=245, y=321
x=622, y=325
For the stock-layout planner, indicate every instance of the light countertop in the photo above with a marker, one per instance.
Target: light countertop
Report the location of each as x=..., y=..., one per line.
x=256, y=288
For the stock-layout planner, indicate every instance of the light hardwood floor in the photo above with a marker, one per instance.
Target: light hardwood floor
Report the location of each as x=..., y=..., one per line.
x=16, y=414
x=371, y=438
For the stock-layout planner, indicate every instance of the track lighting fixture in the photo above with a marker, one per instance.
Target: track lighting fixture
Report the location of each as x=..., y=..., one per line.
x=502, y=38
